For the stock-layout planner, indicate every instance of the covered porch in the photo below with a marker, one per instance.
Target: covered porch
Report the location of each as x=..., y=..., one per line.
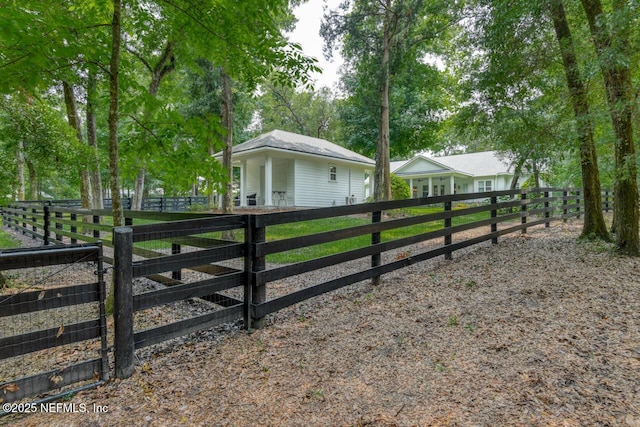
x=439, y=185
x=266, y=181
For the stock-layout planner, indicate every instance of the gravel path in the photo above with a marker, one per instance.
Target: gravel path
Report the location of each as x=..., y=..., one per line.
x=535, y=331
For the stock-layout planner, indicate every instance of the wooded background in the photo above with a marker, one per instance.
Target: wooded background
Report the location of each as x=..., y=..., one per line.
x=113, y=96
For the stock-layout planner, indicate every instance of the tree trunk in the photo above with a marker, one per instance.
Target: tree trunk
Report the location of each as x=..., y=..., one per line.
x=227, y=124
x=92, y=141
x=33, y=182
x=114, y=71
x=382, y=178
x=138, y=192
x=517, y=171
x=536, y=175
x=74, y=122
x=20, y=167
x=614, y=57
x=211, y=200
x=594, y=225
x=164, y=66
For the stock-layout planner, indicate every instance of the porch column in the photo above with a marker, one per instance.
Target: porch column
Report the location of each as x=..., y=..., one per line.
x=411, y=187
x=268, y=182
x=431, y=187
x=453, y=185
x=243, y=183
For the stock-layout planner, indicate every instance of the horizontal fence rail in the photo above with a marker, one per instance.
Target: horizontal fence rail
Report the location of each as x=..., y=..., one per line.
x=249, y=266
x=55, y=225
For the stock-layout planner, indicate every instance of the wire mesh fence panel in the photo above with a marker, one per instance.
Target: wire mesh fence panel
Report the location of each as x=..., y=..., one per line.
x=52, y=321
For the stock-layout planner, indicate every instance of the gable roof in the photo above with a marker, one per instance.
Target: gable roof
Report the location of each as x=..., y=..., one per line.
x=289, y=141
x=485, y=163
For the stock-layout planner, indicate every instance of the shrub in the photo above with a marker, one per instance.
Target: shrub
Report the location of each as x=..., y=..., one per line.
x=399, y=188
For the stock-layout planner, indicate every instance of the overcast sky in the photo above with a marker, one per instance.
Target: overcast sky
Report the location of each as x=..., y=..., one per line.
x=307, y=35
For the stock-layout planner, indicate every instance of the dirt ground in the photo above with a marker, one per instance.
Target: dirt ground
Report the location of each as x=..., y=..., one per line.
x=535, y=331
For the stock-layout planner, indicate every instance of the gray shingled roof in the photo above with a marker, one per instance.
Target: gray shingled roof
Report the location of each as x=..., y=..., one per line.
x=288, y=141
x=484, y=163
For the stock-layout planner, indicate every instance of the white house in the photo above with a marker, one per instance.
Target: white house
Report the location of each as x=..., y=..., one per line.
x=286, y=169
x=459, y=173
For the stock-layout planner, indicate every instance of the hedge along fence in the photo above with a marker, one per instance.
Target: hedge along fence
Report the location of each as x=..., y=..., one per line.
x=369, y=233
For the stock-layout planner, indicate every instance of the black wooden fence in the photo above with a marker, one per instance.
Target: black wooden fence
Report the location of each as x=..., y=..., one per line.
x=490, y=215
x=240, y=275
x=154, y=204
x=57, y=225
x=48, y=304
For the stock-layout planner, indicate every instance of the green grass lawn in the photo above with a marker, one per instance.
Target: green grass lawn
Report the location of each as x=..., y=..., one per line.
x=287, y=231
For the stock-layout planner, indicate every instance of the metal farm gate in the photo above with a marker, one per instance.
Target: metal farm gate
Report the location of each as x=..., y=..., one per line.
x=53, y=329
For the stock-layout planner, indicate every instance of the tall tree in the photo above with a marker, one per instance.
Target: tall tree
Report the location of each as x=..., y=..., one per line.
x=114, y=97
x=164, y=65
x=594, y=225
x=611, y=39
x=74, y=122
x=510, y=85
x=226, y=114
x=92, y=141
x=311, y=113
x=380, y=39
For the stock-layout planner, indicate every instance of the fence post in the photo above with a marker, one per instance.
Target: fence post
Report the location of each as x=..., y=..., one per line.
x=96, y=232
x=24, y=220
x=16, y=221
x=447, y=237
x=74, y=229
x=123, y=301
x=376, y=259
x=47, y=224
x=34, y=227
x=259, y=263
x=565, y=202
x=523, y=209
x=175, y=249
x=248, y=269
x=58, y=226
x=546, y=209
x=578, y=203
x=102, y=299
x=494, y=217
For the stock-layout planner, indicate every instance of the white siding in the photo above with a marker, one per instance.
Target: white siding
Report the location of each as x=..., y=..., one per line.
x=421, y=166
x=313, y=188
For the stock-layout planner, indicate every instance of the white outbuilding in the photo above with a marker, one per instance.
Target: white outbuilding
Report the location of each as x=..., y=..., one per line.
x=281, y=168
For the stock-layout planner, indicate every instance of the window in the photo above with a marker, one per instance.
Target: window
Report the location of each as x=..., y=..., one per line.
x=333, y=173
x=484, y=186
